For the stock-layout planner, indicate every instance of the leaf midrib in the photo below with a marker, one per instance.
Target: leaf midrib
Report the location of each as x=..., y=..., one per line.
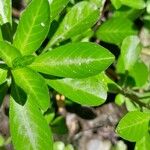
x=23, y=45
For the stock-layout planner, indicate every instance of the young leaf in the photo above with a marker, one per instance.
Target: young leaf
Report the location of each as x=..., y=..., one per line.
x=34, y=85
x=33, y=27
x=90, y=91
x=133, y=126
x=75, y=60
x=130, y=51
x=29, y=129
x=56, y=6
x=80, y=18
x=137, y=4
x=144, y=143
x=114, y=30
x=8, y=53
x=5, y=12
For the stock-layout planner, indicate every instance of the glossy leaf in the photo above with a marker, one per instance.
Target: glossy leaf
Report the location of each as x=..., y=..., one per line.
x=90, y=91
x=34, y=85
x=29, y=129
x=130, y=51
x=8, y=53
x=80, y=18
x=33, y=27
x=114, y=30
x=3, y=75
x=75, y=60
x=137, y=4
x=144, y=143
x=56, y=6
x=133, y=126
x=5, y=12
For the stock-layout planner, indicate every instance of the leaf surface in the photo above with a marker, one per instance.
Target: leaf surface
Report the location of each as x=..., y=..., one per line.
x=34, y=85
x=130, y=51
x=80, y=18
x=8, y=53
x=90, y=91
x=33, y=27
x=114, y=30
x=29, y=129
x=144, y=143
x=5, y=11
x=133, y=126
x=137, y=4
x=56, y=6
x=3, y=75
x=75, y=60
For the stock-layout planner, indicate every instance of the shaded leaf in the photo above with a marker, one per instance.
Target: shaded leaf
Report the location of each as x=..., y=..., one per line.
x=114, y=30
x=34, y=85
x=29, y=129
x=133, y=126
x=3, y=91
x=75, y=60
x=90, y=91
x=33, y=27
x=137, y=4
x=116, y=3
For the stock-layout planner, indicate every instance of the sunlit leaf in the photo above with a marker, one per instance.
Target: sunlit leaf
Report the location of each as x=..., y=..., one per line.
x=33, y=27
x=75, y=60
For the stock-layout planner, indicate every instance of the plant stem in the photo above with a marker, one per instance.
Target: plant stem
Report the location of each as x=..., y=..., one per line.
x=134, y=98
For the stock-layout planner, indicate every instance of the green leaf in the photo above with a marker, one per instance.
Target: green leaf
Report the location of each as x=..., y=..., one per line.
x=75, y=60
x=5, y=12
x=137, y=4
x=3, y=75
x=33, y=27
x=144, y=143
x=90, y=91
x=56, y=6
x=34, y=85
x=127, y=12
x=116, y=3
x=8, y=53
x=80, y=18
x=1, y=37
x=140, y=73
x=120, y=99
x=58, y=125
x=114, y=30
x=29, y=129
x=133, y=126
x=23, y=61
x=130, y=51
x=3, y=91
